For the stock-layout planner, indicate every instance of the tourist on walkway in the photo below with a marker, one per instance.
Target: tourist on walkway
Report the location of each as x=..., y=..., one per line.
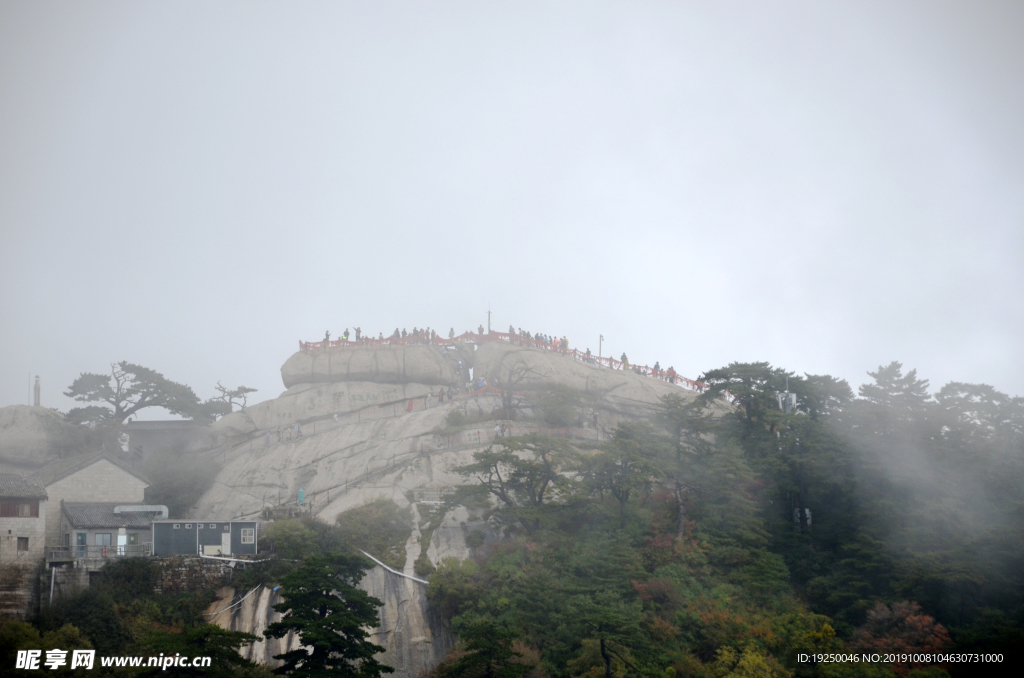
x=359, y=331
x=625, y=362
x=451, y=333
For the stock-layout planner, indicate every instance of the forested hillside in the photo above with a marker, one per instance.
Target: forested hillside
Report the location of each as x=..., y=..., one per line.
x=807, y=523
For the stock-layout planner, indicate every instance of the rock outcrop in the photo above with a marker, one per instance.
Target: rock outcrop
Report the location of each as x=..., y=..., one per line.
x=370, y=424
x=31, y=437
x=419, y=364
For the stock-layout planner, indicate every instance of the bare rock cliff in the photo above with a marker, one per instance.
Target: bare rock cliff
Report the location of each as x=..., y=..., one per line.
x=370, y=421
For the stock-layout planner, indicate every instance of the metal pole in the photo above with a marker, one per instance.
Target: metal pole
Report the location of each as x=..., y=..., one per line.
x=600, y=339
x=53, y=573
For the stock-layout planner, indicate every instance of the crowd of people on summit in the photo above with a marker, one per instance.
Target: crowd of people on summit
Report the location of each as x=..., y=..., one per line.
x=515, y=335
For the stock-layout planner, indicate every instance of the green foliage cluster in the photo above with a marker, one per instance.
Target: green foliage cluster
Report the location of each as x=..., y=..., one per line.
x=323, y=607
x=561, y=407
x=728, y=545
x=378, y=527
x=120, y=615
x=457, y=419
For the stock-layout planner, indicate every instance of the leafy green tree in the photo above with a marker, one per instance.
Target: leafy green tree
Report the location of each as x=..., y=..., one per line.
x=95, y=611
x=896, y=391
x=128, y=389
x=526, y=473
x=627, y=465
x=207, y=640
x=753, y=387
x=561, y=407
x=751, y=663
x=330, y=616
x=614, y=622
x=232, y=396
x=979, y=414
x=378, y=527
x=16, y=635
x=487, y=652
x=292, y=539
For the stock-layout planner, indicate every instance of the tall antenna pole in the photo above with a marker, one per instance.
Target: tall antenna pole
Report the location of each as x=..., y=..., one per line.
x=488, y=318
x=600, y=338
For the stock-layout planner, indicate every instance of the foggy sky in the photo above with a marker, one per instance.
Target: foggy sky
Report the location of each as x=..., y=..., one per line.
x=196, y=186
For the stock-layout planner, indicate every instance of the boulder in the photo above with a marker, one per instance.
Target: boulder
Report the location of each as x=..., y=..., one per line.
x=305, y=403
x=31, y=436
x=430, y=365
x=530, y=369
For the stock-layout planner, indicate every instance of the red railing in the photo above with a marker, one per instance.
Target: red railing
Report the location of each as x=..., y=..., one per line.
x=509, y=338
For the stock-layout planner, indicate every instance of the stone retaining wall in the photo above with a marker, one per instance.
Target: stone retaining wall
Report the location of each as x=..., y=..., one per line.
x=180, y=575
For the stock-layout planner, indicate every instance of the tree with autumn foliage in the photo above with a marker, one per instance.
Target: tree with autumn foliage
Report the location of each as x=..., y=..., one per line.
x=900, y=628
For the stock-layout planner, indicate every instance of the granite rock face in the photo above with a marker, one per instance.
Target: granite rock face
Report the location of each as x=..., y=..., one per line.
x=31, y=437
x=623, y=392
x=372, y=427
x=422, y=364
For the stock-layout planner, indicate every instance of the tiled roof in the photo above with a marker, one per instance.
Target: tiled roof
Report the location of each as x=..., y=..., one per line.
x=14, y=486
x=51, y=473
x=93, y=514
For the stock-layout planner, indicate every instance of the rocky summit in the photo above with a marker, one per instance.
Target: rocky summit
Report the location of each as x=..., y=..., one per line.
x=357, y=424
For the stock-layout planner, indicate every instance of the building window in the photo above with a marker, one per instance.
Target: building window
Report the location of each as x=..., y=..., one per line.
x=227, y=527
x=133, y=539
x=213, y=526
x=188, y=526
x=24, y=510
x=200, y=526
x=103, y=539
x=23, y=543
x=177, y=526
x=248, y=535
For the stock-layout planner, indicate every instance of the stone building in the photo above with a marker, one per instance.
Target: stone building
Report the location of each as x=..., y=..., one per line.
x=99, y=477
x=22, y=519
x=96, y=530
x=22, y=530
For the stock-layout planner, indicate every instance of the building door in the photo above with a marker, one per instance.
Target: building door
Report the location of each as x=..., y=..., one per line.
x=80, y=547
x=225, y=543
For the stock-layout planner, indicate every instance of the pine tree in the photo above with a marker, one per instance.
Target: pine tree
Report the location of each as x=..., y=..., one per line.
x=330, y=615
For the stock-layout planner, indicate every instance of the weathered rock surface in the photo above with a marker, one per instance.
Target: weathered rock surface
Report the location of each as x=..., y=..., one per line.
x=420, y=364
x=304, y=403
x=622, y=391
x=377, y=448
x=31, y=436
